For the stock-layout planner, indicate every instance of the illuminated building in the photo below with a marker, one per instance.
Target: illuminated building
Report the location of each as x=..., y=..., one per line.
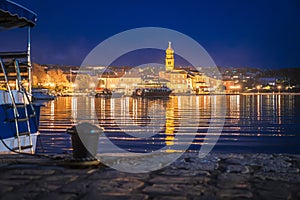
x=177, y=77
x=169, y=58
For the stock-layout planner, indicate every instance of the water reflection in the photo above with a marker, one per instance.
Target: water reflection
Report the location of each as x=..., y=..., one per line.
x=258, y=106
x=262, y=115
x=170, y=121
x=74, y=107
x=52, y=117
x=140, y=125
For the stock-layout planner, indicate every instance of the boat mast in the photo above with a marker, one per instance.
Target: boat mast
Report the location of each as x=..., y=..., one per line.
x=29, y=61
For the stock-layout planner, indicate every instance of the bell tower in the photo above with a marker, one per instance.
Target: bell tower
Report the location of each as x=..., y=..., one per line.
x=169, y=58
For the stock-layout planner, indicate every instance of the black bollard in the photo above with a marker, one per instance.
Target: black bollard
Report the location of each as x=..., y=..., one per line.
x=85, y=138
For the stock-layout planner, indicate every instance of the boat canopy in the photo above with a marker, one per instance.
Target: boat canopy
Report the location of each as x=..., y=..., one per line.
x=13, y=15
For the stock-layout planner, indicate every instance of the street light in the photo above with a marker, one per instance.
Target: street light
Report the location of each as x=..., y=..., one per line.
x=258, y=88
x=74, y=86
x=279, y=88
x=92, y=85
x=238, y=87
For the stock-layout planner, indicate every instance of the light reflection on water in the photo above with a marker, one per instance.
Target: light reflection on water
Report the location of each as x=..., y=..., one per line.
x=254, y=123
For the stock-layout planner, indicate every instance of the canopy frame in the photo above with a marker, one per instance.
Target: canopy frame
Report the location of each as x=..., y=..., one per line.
x=12, y=16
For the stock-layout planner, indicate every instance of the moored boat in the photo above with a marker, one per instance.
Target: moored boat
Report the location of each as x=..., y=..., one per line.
x=152, y=92
x=106, y=93
x=19, y=117
x=41, y=94
x=118, y=93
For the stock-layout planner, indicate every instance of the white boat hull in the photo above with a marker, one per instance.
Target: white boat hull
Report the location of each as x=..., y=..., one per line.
x=12, y=143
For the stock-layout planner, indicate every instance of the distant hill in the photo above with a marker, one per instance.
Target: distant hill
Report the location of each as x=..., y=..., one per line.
x=291, y=74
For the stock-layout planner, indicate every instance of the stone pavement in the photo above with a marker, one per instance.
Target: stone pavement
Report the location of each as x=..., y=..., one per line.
x=217, y=176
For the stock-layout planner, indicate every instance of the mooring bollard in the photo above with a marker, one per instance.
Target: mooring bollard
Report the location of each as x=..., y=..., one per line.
x=85, y=138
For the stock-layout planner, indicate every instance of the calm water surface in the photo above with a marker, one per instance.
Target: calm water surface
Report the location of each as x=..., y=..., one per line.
x=253, y=123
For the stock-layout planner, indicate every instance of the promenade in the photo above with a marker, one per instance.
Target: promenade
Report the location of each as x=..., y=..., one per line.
x=217, y=176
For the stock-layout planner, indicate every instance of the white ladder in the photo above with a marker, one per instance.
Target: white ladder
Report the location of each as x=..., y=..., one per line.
x=17, y=119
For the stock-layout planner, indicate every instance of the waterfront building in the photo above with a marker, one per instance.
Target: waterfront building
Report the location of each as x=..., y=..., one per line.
x=266, y=81
x=198, y=82
x=176, y=78
x=108, y=80
x=129, y=81
x=231, y=87
x=186, y=80
x=113, y=81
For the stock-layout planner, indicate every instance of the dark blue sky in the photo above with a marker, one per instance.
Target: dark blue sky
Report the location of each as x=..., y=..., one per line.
x=257, y=33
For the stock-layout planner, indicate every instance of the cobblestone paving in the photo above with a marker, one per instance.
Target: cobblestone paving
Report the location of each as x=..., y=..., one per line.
x=217, y=176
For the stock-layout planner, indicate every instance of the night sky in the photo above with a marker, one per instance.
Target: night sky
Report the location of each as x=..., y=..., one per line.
x=240, y=33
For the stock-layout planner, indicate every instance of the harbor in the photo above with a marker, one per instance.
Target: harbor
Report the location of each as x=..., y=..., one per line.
x=230, y=171
x=253, y=123
x=145, y=114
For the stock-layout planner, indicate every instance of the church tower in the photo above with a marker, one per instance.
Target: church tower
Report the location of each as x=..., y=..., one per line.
x=169, y=58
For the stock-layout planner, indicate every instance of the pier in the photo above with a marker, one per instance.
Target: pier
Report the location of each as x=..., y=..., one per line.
x=217, y=176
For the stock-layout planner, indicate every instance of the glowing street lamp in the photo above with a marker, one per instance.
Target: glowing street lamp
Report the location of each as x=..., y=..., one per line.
x=258, y=88
x=279, y=88
x=238, y=87
x=92, y=85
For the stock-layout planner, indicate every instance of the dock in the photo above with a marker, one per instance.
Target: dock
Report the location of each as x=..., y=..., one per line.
x=217, y=176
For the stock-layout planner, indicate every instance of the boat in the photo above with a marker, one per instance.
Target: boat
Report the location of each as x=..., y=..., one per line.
x=41, y=94
x=19, y=117
x=118, y=93
x=105, y=93
x=152, y=91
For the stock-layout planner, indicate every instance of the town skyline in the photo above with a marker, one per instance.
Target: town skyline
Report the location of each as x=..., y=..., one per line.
x=181, y=80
